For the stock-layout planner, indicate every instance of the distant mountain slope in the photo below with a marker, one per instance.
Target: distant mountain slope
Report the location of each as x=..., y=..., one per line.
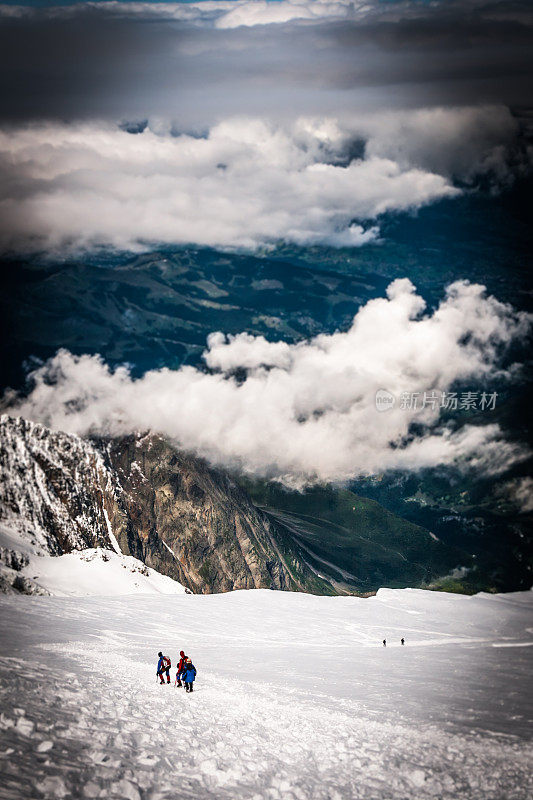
x=139, y=496
x=354, y=540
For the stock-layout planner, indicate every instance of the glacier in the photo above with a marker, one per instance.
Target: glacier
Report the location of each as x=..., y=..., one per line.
x=296, y=697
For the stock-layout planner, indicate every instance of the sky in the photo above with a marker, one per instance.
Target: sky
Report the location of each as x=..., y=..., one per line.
x=242, y=124
x=195, y=62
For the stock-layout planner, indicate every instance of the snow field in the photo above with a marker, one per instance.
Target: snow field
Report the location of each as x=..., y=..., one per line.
x=295, y=697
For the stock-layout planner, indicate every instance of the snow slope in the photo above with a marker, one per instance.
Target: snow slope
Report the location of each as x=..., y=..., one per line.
x=98, y=572
x=296, y=697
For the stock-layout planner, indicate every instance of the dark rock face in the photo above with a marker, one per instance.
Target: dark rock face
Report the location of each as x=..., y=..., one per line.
x=196, y=524
x=13, y=559
x=142, y=496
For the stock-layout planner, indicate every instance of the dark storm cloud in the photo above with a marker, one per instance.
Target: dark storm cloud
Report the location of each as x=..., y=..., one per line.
x=88, y=62
x=81, y=65
x=461, y=56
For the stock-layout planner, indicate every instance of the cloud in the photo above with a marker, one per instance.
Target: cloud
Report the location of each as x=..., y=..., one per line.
x=225, y=14
x=306, y=412
x=462, y=143
x=248, y=182
x=217, y=13
x=520, y=492
x=260, y=12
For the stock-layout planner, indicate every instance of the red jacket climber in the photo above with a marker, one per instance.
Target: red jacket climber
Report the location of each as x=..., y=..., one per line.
x=181, y=667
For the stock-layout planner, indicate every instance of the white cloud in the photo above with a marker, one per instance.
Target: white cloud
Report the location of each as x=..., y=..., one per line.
x=221, y=13
x=306, y=412
x=461, y=143
x=248, y=13
x=249, y=182
x=228, y=14
x=520, y=492
x=260, y=12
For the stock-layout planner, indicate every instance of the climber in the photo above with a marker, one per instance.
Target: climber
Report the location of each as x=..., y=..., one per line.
x=189, y=675
x=163, y=665
x=181, y=668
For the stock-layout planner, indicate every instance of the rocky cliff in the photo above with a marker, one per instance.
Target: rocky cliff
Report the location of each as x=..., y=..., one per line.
x=54, y=488
x=196, y=524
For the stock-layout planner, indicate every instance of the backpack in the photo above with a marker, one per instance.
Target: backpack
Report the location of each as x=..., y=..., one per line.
x=166, y=662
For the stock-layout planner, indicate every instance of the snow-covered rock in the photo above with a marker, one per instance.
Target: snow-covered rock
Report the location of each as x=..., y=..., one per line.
x=54, y=489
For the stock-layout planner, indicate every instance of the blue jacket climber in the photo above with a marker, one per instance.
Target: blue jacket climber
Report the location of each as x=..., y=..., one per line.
x=163, y=666
x=189, y=674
